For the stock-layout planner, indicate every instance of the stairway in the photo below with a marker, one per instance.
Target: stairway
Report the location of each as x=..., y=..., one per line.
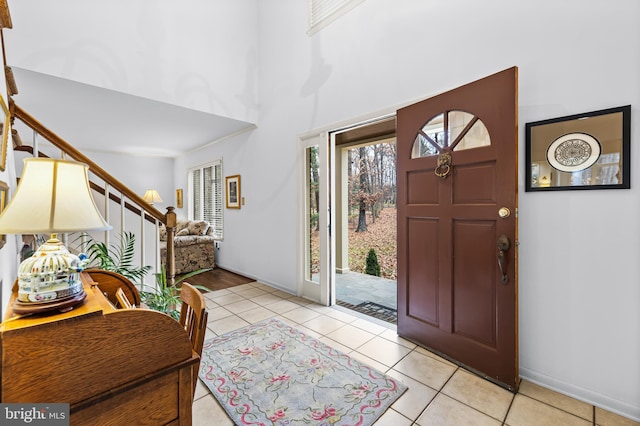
x=122, y=208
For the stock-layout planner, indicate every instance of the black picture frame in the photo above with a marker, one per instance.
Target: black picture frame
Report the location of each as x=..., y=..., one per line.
x=581, y=151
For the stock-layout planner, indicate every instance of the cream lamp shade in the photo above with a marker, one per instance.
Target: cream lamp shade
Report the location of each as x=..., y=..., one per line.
x=152, y=196
x=53, y=196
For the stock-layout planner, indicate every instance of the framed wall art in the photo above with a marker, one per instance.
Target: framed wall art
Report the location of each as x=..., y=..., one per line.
x=581, y=151
x=179, y=198
x=233, y=191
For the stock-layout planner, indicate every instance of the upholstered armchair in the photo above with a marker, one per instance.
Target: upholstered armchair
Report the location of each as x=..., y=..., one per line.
x=193, y=246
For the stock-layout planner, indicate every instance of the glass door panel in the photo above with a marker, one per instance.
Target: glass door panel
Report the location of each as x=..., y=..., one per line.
x=312, y=243
x=315, y=259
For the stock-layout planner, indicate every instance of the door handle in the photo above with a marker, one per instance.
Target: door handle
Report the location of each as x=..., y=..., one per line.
x=503, y=246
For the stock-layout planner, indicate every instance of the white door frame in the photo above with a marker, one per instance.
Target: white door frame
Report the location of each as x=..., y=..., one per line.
x=324, y=291
x=318, y=291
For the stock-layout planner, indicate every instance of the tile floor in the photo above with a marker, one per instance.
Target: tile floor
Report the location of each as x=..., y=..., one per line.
x=440, y=393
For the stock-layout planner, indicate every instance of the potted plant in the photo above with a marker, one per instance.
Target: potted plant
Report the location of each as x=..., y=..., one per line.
x=119, y=258
x=116, y=257
x=166, y=297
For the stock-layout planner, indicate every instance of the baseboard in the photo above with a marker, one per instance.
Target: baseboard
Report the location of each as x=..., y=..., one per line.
x=594, y=398
x=260, y=280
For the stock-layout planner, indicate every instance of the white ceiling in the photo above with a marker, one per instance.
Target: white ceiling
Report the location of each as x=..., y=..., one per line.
x=92, y=118
x=133, y=76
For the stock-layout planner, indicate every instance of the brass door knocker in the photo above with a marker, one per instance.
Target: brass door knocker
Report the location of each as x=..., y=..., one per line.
x=444, y=165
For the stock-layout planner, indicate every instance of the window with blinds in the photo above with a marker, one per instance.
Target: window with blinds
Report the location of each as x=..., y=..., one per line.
x=323, y=12
x=207, y=196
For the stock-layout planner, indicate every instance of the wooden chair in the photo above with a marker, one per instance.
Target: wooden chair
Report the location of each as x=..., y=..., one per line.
x=123, y=300
x=109, y=282
x=193, y=317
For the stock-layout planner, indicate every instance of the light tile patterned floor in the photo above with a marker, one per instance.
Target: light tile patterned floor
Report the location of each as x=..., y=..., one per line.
x=440, y=393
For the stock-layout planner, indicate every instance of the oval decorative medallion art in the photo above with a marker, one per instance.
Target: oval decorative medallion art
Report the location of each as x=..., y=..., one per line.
x=573, y=152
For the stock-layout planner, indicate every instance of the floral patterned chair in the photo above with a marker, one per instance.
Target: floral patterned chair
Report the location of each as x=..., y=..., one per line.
x=193, y=246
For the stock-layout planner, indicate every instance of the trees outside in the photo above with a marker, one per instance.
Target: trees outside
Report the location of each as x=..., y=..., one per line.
x=364, y=196
x=372, y=181
x=371, y=206
x=380, y=236
x=314, y=187
x=313, y=207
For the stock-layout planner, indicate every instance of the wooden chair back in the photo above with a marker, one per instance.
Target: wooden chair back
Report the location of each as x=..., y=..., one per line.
x=193, y=317
x=123, y=300
x=109, y=282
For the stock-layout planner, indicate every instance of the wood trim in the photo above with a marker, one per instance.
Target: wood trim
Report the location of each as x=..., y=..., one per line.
x=169, y=219
x=12, y=87
x=15, y=136
x=5, y=16
x=60, y=143
x=99, y=189
x=118, y=200
x=371, y=132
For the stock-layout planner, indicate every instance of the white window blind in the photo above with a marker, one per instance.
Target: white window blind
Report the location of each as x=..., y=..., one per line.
x=323, y=12
x=207, y=196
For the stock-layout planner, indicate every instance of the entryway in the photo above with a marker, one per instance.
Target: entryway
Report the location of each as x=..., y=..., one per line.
x=366, y=224
x=456, y=205
x=350, y=228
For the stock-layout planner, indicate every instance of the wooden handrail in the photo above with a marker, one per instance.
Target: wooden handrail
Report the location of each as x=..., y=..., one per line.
x=169, y=219
x=63, y=145
x=131, y=207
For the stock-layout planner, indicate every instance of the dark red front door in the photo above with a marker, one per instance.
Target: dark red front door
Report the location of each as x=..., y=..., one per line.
x=457, y=200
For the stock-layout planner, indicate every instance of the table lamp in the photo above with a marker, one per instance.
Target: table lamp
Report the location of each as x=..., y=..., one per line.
x=152, y=196
x=53, y=196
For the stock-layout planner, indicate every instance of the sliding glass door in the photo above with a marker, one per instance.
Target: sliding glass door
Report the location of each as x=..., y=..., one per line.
x=316, y=261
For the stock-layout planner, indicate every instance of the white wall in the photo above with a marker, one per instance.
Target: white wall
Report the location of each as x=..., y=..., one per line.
x=211, y=72
x=579, y=273
x=579, y=294
x=140, y=173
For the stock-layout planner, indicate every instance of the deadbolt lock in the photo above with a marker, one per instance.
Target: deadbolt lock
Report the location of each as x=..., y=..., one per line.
x=504, y=212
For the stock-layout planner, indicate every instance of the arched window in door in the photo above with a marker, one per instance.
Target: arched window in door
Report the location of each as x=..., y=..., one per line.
x=450, y=131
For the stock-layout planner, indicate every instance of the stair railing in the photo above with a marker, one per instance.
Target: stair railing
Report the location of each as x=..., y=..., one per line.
x=127, y=200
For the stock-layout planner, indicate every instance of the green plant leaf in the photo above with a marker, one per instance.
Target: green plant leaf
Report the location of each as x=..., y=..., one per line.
x=116, y=257
x=166, y=298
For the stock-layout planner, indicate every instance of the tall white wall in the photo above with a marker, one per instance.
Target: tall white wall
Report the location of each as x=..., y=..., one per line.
x=190, y=53
x=140, y=173
x=579, y=271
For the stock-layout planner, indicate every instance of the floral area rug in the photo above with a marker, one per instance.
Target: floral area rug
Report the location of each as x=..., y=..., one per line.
x=271, y=373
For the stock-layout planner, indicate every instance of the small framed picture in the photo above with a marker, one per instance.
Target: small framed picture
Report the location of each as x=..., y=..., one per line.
x=582, y=151
x=233, y=191
x=179, y=198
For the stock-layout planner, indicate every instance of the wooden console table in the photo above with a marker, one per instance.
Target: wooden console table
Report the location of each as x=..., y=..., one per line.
x=113, y=366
